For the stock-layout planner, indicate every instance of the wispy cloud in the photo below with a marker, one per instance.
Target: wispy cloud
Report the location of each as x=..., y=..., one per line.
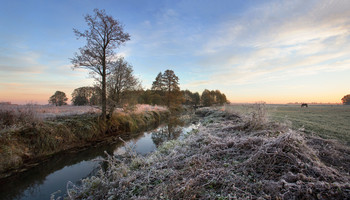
x=20, y=62
x=285, y=39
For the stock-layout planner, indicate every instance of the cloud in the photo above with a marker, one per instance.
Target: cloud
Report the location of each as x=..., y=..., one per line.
x=20, y=62
x=279, y=40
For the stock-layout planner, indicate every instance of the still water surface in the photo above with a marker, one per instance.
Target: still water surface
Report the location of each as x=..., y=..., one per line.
x=52, y=175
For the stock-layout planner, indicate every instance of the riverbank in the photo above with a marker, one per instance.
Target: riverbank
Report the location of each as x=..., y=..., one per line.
x=22, y=147
x=229, y=156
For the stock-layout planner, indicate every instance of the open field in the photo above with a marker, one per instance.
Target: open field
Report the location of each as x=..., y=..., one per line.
x=15, y=115
x=48, y=111
x=326, y=121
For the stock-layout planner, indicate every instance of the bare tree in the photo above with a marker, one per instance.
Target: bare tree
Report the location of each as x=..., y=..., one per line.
x=120, y=82
x=103, y=36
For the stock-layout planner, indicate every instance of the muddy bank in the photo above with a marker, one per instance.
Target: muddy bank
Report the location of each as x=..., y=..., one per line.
x=25, y=146
x=228, y=157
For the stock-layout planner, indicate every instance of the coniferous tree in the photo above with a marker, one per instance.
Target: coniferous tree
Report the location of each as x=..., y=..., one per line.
x=166, y=89
x=158, y=84
x=171, y=87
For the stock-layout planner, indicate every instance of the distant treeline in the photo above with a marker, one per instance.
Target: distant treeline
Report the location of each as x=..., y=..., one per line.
x=91, y=96
x=124, y=90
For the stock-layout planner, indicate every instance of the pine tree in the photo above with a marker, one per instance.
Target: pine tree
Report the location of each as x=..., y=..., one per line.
x=171, y=87
x=158, y=83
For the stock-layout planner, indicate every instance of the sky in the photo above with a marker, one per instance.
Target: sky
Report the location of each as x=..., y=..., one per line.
x=271, y=51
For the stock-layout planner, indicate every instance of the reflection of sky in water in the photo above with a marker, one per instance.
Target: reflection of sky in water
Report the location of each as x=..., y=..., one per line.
x=143, y=145
x=187, y=129
x=58, y=180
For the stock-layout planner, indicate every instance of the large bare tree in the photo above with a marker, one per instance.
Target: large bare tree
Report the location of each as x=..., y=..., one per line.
x=103, y=36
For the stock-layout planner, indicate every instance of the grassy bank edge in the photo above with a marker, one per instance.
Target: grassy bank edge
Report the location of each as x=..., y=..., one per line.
x=23, y=146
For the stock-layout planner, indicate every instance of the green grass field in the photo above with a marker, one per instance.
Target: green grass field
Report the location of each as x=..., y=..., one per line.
x=326, y=121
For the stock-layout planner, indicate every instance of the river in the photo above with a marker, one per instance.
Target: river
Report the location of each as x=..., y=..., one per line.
x=53, y=174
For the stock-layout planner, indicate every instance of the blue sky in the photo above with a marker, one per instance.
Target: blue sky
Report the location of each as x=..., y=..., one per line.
x=272, y=51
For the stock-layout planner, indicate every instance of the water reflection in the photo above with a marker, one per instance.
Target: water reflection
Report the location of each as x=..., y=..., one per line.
x=170, y=132
x=53, y=174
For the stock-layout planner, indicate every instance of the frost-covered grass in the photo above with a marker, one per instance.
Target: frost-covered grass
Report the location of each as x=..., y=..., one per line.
x=22, y=114
x=40, y=112
x=229, y=157
x=146, y=107
x=326, y=121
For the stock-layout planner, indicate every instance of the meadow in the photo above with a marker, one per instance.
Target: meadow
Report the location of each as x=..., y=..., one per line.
x=326, y=121
x=14, y=115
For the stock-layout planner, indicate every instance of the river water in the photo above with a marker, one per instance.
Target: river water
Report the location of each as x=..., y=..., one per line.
x=53, y=174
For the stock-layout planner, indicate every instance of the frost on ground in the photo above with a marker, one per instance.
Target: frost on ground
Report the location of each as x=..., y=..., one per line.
x=14, y=115
x=228, y=157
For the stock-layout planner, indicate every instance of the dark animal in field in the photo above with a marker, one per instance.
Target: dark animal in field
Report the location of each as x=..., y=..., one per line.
x=304, y=105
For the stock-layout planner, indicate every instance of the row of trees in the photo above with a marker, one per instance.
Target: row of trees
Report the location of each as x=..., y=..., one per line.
x=86, y=96
x=210, y=98
x=154, y=97
x=92, y=96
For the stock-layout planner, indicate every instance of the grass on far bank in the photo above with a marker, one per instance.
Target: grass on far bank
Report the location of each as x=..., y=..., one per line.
x=26, y=138
x=326, y=121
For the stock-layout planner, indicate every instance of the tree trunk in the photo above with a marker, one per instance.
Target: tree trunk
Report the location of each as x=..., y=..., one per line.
x=168, y=99
x=104, y=90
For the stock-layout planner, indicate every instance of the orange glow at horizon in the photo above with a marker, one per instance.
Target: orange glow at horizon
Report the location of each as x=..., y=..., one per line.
x=20, y=98
x=42, y=98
